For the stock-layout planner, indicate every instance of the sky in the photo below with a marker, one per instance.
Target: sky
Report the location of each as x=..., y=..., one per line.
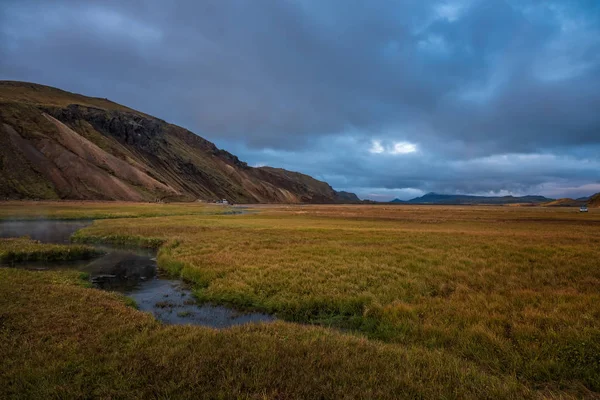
x=387, y=99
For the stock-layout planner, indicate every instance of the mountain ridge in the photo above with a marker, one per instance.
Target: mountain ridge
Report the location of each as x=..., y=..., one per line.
x=437, y=198
x=594, y=201
x=60, y=145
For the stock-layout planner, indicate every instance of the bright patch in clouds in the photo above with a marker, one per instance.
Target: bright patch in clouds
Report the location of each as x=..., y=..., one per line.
x=403, y=148
x=376, y=147
x=396, y=148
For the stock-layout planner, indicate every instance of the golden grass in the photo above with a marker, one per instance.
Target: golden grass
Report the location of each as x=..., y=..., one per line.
x=49, y=96
x=512, y=292
x=25, y=210
x=60, y=340
x=14, y=250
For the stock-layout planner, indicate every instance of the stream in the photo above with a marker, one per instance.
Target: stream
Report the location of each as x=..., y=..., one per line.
x=132, y=272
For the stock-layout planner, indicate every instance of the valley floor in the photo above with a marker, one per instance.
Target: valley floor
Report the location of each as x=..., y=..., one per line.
x=376, y=302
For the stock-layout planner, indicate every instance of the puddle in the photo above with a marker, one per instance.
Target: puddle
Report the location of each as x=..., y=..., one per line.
x=132, y=272
x=171, y=302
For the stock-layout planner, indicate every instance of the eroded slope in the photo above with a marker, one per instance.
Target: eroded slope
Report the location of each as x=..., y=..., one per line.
x=57, y=144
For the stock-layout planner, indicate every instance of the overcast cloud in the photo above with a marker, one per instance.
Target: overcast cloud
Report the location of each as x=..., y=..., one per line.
x=385, y=98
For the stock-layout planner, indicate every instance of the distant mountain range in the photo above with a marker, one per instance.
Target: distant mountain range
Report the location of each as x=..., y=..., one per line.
x=436, y=198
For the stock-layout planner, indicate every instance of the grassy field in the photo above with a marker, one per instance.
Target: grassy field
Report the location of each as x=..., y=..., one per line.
x=60, y=340
x=14, y=250
x=68, y=210
x=410, y=301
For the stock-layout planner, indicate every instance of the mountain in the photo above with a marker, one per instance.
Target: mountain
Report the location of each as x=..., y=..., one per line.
x=60, y=145
x=594, y=201
x=298, y=183
x=435, y=198
x=347, y=197
x=566, y=202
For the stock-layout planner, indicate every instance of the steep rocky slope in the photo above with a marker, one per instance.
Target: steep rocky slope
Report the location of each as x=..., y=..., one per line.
x=55, y=144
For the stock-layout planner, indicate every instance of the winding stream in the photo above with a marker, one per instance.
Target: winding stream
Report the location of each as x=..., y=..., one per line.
x=132, y=272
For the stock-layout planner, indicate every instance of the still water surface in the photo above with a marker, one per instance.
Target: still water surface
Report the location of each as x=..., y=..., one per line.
x=132, y=272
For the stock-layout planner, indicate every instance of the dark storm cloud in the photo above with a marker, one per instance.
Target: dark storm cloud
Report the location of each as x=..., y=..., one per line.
x=392, y=95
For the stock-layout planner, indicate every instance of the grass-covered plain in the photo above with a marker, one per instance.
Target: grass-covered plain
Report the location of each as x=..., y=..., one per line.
x=61, y=340
x=14, y=250
x=433, y=301
x=69, y=210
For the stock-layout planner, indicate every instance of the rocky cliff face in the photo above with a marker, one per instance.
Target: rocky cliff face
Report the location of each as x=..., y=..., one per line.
x=55, y=144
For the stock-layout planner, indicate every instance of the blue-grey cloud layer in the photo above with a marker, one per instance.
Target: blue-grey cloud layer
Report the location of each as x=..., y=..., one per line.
x=384, y=97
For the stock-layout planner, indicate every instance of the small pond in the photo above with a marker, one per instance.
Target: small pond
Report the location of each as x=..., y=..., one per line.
x=132, y=272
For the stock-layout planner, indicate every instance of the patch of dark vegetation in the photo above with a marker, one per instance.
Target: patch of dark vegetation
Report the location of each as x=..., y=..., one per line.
x=165, y=304
x=184, y=314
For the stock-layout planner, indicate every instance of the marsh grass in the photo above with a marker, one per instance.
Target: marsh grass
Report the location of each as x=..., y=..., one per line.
x=60, y=340
x=511, y=292
x=118, y=240
x=514, y=290
x=70, y=210
x=15, y=250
